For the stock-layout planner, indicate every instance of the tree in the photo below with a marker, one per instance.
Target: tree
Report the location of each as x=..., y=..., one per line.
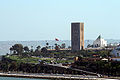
x=26, y=49
x=31, y=49
x=38, y=47
x=55, y=44
x=47, y=45
x=69, y=46
x=44, y=50
x=37, y=51
x=11, y=49
x=18, y=48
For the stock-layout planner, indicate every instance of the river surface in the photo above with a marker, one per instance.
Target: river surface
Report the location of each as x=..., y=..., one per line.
x=13, y=78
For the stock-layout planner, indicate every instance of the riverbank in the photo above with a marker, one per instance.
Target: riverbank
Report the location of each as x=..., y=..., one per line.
x=52, y=76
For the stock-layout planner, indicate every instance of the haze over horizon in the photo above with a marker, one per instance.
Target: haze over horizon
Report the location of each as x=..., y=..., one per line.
x=29, y=20
x=54, y=40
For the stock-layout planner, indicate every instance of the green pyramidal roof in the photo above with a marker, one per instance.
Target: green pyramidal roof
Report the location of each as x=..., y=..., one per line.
x=99, y=37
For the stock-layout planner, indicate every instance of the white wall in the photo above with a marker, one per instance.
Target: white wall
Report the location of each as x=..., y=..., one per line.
x=99, y=43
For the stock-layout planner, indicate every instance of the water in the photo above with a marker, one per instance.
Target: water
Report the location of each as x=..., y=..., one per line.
x=13, y=78
x=5, y=45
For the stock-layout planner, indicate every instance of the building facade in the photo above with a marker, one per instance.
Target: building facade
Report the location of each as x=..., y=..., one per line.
x=77, y=36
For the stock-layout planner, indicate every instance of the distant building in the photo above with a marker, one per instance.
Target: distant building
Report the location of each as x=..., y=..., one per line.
x=77, y=36
x=113, y=44
x=99, y=42
x=116, y=52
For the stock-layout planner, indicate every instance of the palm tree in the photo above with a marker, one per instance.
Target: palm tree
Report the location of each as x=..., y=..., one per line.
x=11, y=49
x=47, y=45
x=55, y=44
x=37, y=50
x=38, y=47
x=31, y=49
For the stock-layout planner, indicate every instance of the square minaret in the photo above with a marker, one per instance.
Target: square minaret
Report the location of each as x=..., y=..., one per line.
x=77, y=36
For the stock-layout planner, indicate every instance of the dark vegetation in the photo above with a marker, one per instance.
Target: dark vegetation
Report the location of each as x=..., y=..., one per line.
x=111, y=68
x=8, y=65
x=24, y=59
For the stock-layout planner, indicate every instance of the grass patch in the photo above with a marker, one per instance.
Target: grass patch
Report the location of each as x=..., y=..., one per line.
x=28, y=59
x=64, y=61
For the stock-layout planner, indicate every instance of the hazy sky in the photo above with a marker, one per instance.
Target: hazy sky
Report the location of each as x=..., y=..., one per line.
x=47, y=19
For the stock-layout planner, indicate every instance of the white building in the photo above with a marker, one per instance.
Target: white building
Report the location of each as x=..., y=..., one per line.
x=99, y=42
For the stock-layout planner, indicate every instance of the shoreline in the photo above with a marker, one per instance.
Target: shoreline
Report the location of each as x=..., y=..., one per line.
x=51, y=76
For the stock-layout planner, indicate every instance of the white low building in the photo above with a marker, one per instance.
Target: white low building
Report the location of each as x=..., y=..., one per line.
x=99, y=42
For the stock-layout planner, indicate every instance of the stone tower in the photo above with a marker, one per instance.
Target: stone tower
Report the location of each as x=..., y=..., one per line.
x=77, y=36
